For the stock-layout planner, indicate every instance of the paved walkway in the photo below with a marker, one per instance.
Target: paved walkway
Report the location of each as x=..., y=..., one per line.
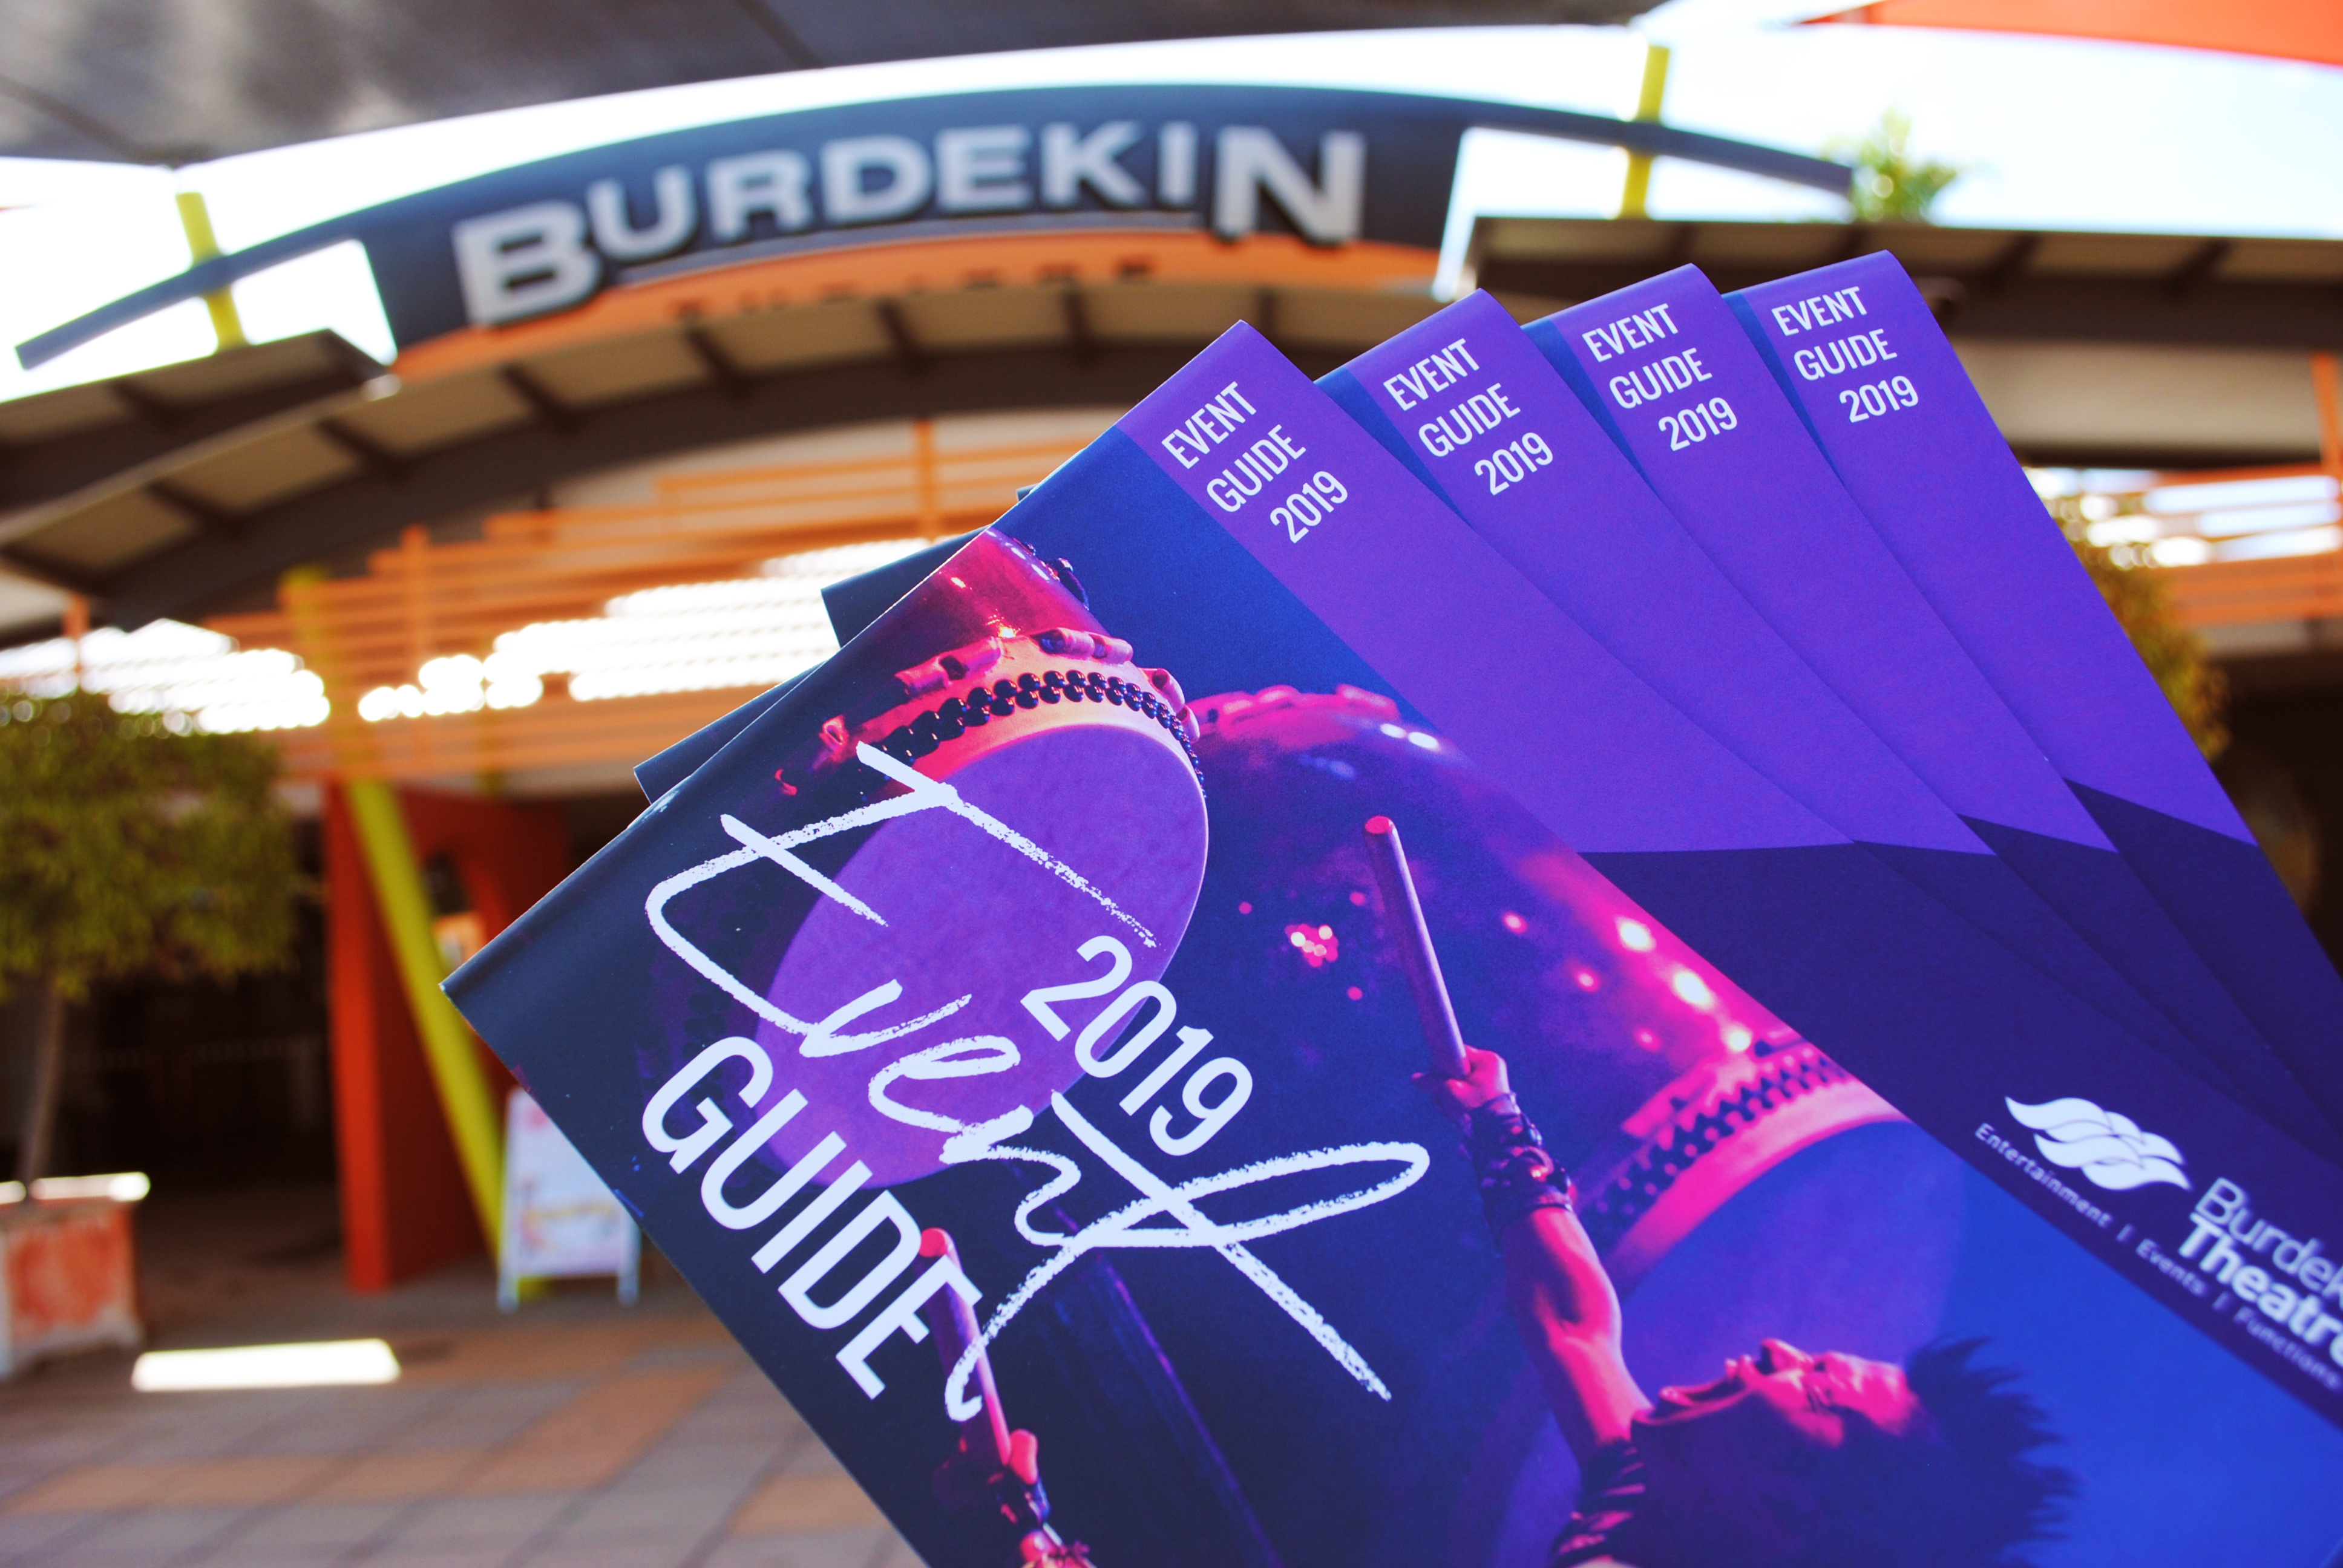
x=572, y=1435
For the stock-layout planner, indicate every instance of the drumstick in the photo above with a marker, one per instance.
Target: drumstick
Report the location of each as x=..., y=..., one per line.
x=985, y=1434
x=1413, y=939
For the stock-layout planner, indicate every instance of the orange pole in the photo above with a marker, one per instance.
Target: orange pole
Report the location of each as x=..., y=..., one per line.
x=2330, y=414
x=76, y=627
x=361, y=1118
x=923, y=442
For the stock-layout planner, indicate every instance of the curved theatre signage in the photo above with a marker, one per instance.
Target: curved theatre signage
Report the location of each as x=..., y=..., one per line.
x=1329, y=166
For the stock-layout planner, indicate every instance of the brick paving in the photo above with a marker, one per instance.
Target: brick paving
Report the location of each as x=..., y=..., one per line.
x=573, y=1434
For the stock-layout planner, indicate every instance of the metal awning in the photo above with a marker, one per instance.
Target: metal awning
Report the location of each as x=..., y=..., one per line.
x=55, y=442
x=2097, y=350
x=2168, y=289
x=129, y=79
x=209, y=525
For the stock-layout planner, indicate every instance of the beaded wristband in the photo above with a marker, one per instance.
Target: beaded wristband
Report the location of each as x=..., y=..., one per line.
x=1517, y=1176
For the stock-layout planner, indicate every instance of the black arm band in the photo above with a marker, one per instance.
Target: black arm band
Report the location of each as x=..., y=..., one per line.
x=1516, y=1174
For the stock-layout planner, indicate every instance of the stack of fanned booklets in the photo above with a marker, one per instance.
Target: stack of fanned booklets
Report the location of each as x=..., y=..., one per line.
x=1574, y=943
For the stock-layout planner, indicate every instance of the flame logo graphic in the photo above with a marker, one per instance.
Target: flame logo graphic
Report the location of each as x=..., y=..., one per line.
x=2107, y=1148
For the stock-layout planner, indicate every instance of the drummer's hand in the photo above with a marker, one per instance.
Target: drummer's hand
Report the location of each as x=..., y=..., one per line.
x=1484, y=1079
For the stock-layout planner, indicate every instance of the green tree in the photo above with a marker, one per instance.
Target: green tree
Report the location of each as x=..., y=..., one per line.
x=128, y=848
x=1890, y=185
x=2192, y=683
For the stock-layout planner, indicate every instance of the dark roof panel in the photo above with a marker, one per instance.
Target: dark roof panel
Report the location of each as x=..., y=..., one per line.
x=2208, y=290
x=123, y=79
x=55, y=442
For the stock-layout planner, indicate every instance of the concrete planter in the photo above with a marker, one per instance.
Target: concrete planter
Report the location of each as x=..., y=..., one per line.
x=68, y=1268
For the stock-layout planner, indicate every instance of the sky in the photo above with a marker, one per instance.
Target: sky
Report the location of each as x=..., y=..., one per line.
x=2050, y=133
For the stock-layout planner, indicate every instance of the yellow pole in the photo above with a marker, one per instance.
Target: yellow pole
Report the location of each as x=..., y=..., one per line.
x=447, y=1047
x=1647, y=109
x=197, y=219
x=474, y=1124
x=404, y=906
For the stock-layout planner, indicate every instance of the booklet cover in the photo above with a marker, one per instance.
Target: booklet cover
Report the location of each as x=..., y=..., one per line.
x=1042, y=981
x=1666, y=365
x=1934, y=477
x=1476, y=413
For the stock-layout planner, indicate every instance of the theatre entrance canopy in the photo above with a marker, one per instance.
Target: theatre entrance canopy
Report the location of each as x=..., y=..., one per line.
x=693, y=310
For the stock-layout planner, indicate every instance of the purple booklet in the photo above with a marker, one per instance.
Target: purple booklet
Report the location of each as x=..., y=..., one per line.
x=1667, y=367
x=1476, y=413
x=1031, y=1037
x=1884, y=396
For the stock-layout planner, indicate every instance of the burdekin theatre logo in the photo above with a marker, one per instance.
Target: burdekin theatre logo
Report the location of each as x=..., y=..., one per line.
x=2110, y=1150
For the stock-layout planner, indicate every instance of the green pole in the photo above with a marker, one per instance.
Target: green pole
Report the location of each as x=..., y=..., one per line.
x=447, y=1047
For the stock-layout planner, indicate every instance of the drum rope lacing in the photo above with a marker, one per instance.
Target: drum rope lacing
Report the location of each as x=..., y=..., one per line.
x=955, y=716
x=1791, y=1071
